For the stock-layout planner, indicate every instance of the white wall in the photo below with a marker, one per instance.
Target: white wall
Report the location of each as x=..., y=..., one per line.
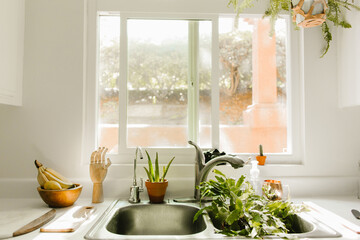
x=48, y=126
x=348, y=59
x=12, y=21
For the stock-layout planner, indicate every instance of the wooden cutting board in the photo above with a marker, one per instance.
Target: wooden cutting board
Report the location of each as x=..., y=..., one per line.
x=31, y=226
x=70, y=221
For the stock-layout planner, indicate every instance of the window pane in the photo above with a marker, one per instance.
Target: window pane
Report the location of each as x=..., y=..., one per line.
x=252, y=85
x=204, y=74
x=157, y=83
x=108, y=111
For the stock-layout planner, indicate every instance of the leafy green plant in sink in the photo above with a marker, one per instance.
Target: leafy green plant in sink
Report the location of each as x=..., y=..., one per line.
x=237, y=211
x=153, y=173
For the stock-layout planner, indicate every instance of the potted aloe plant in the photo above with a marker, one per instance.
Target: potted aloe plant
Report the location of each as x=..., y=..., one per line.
x=156, y=184
x=261, y=158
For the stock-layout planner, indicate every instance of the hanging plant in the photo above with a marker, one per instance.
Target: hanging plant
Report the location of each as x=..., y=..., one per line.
x=332, y=11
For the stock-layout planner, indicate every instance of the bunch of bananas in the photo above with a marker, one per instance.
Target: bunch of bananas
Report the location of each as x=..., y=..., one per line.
x=50, y=179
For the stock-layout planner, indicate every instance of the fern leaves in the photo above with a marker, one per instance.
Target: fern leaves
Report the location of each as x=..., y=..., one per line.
x=335, y=14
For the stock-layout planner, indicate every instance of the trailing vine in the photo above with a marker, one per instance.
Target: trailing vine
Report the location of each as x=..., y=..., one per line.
x=240, y=5
x=335, y=13
x=327, y=37
x=275, y=9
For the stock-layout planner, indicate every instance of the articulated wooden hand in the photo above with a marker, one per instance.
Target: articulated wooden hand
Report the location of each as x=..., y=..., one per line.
x=98, y=171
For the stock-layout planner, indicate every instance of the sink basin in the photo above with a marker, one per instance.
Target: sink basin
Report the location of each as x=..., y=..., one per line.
x=155, y=219
x=174, y=221
x=123, y=220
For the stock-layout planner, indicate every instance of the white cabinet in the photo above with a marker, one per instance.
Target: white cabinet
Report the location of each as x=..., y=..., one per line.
x=349, y=62
x=12, y=21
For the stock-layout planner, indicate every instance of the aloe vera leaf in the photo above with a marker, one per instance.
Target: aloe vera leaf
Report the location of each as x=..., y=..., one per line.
x=151, y=170
x=167, y=168
x=157, y=168
x=162, y=178
x=148, y=174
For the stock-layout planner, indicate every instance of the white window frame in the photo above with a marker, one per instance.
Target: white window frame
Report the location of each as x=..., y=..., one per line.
x=145, y=9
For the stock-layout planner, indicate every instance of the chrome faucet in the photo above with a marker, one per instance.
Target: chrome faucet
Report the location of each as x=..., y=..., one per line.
x=202, y=169
x=135, y=189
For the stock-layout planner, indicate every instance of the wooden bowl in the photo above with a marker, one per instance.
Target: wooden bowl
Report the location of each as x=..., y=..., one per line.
x=60, y=198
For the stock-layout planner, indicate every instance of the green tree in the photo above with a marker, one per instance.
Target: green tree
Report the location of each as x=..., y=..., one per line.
x=159, y=69
x=235, y=58
x=109, y=65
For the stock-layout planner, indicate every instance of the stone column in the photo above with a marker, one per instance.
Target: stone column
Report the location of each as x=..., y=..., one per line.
x=264, y=111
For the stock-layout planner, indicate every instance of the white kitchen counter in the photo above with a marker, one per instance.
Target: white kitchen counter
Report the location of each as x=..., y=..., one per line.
x=15, y=213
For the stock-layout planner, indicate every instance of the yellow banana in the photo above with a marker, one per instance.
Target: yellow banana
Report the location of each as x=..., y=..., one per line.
x=48, y=174
x=42, y=179
x=52, y=185
x=51, y=177
x=58, y=175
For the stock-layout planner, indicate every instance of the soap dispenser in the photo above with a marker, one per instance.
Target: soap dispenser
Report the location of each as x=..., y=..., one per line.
x=254, y=176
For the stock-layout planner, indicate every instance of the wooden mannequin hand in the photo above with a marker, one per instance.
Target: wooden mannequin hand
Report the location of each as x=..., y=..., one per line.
x=98, y=171
x=98, y=167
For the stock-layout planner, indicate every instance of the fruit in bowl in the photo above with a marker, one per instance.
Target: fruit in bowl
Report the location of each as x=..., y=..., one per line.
x=60, y=198
x=55, y=189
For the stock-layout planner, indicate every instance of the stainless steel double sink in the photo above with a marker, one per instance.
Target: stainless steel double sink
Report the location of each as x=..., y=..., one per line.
x=173, y=220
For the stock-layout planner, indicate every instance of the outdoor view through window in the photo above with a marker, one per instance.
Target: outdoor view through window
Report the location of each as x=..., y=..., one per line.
x=170, y=84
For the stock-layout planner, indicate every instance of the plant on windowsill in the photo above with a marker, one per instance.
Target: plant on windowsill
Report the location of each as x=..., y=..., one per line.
x=332, y=11
x=156, y=185
x=261, y=158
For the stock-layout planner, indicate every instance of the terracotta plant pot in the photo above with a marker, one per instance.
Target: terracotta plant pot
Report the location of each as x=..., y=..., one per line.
x=156, y=190
x=261, y=159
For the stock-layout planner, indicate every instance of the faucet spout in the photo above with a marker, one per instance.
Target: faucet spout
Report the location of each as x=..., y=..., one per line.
x=138, y=150
x=234, y=162
x=202, y=169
